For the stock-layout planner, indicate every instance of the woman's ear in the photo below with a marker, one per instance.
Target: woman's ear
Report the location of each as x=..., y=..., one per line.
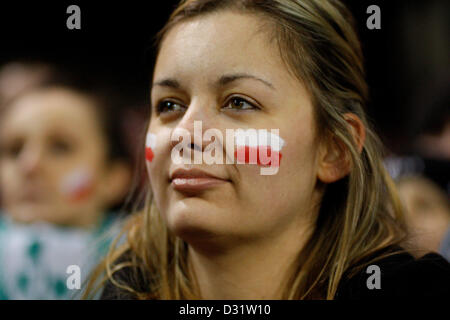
x=357, y=128
x=334, y=157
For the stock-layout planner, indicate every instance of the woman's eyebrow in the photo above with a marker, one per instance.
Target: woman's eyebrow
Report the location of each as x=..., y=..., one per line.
x=226, y=79
x=169, y=82
x=223, y=80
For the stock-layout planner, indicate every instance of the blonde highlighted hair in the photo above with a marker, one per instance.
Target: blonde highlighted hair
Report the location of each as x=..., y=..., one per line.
x=360, y=214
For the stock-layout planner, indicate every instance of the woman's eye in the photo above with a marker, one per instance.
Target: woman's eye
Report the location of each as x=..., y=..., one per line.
x=237, y=103
x=61, y=147
x=168, y=106
x=13, y=150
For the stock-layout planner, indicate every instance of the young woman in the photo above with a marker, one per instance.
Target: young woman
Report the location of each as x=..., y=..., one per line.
x=62, y=170
x=226, y=231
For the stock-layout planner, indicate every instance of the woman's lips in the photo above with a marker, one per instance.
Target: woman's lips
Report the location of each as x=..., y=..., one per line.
x=195, y=184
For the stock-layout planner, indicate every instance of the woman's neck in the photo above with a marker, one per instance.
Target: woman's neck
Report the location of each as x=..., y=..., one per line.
x=251, y=271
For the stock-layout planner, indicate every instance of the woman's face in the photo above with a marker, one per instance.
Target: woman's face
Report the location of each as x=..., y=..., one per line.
x=202, y=65
x=52, y=158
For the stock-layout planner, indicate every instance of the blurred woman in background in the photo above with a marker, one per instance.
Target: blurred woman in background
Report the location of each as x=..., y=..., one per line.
x=427, y=213
x=63, y=168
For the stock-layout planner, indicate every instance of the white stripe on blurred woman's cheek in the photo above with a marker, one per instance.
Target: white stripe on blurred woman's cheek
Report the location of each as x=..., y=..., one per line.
x=77, y=185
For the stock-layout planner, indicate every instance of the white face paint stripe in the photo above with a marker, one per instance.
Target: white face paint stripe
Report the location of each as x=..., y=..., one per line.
x=262, y=137
x=150, y=141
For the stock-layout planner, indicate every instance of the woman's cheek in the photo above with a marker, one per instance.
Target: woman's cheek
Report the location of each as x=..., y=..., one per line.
x=155, y=157
x=77, y=185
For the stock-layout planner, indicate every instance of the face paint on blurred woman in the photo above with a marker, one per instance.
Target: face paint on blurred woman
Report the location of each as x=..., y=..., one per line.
x=77, y=185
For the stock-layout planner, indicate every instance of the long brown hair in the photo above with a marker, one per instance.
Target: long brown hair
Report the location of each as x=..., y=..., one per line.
x=360, y=214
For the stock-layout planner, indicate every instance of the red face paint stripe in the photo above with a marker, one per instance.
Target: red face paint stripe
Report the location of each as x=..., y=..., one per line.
x=149, y=154
x=264, y=155
x=80, y=194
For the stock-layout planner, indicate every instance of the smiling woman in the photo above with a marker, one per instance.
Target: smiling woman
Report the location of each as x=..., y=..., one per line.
x=303, y=233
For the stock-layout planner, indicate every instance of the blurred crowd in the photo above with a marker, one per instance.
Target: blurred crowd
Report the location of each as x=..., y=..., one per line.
x=423, y=174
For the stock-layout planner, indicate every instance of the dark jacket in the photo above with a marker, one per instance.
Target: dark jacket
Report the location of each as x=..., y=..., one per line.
x=400, y=276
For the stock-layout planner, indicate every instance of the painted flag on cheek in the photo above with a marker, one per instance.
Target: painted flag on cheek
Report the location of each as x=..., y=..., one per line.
x=77, y=185
x=258, y=147
x=150, y=144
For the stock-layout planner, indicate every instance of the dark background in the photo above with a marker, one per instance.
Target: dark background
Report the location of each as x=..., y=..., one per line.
x=404, y=60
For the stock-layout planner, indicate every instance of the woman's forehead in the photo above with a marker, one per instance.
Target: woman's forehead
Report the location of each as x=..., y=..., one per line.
x=50, y=108
x=217, y=44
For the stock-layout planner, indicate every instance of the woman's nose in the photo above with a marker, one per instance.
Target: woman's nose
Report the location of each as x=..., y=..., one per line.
x=31, y=160
x=198, y=118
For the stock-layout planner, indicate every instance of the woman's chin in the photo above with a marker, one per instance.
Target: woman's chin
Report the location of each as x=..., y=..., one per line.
x=196, y=226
